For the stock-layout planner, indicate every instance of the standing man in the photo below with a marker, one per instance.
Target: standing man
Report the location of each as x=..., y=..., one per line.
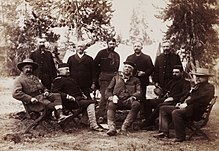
x=46, y=71
x=107, y=65
x=193, y=106
x=82, y=69
x=123, y=92
x=164, y=65
x=144, y=68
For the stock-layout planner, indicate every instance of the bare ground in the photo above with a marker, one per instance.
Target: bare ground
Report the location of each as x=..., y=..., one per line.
x=83, y=139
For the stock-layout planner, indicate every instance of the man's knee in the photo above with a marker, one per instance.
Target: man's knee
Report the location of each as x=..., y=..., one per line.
x=111, y=106
x=136, y=105
x=177, y=113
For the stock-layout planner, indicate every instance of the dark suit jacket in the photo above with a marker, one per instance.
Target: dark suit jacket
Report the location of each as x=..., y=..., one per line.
x=200, y=98
x=82, y=70
x=143, y=63
x=177, y=89
x=46, y=70
x=161, y=69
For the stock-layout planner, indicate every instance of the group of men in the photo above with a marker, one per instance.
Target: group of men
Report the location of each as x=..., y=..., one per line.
x=119, y=89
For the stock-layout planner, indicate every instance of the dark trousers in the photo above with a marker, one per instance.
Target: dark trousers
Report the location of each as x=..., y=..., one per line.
x=155, y=105
x=149, y=105
x=134, y=107
x=165, y=117
x=103, y=99
x=179, y=116
x=143, y=112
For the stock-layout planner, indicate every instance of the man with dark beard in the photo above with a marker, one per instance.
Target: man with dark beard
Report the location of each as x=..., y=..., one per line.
x=144, y=68
x=107, y=65
x=46, y=71
x=174, y=90
x=164, y=65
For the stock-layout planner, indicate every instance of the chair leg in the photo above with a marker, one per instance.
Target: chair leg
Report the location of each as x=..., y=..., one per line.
x=36, y=122
x=69, y=119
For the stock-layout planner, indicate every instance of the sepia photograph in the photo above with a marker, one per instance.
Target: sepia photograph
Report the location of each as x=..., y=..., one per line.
x=109, y=75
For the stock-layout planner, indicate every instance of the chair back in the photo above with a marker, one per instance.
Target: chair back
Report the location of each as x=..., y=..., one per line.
x=207, y=112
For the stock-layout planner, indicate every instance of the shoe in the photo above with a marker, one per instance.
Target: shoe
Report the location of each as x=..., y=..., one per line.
x=161, y=135
x=123, y=132
x=60, y=116
x=179, y=140
x=111, y=132
x=98, y=129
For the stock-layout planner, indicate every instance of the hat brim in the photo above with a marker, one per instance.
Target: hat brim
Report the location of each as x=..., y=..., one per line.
x=200, y=74
x=22, y=64
x=130, y=63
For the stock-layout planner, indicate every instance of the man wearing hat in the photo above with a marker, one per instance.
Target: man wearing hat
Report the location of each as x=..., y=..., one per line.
x=72, y=97
x=173, y=91
x=123, y=92
x=193, y=106
x=144, y=69
x=28, y=89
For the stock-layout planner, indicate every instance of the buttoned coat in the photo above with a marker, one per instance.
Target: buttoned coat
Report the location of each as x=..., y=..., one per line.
x=82, y=70
x=46, y=70
x=160, y=68
x=200, y=98
x=26, y=87
x=143, y=63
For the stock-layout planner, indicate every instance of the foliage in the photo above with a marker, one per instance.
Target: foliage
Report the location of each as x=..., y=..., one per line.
x=138, y=28
x=31, y=19
x=86, y=17
x=192, y=29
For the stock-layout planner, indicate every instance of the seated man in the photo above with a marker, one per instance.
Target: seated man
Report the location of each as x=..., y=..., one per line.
x=72, y=97
x=28, y=89
x=174, y=90
x=193, y=107
x=123, y=92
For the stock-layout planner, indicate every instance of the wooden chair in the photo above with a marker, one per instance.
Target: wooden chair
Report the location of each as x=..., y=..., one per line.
x=41, y=115
x=39, y=119
x=196, y=127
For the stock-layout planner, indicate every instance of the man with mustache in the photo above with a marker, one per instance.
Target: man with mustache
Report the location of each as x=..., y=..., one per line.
x=164, y=65
x=82, y=69
x=123, y=92
x=192, y=106
x=46, y=71
x=144, y=68
x=28, y=89
x=173, y=91
x=107, y=65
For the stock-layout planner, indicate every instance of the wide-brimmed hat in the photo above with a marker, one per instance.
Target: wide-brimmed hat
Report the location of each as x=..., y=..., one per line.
x=25, y=62
x=202, y=72
x=130, y=63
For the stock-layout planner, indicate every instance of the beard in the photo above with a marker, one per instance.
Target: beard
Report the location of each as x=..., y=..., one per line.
x=176, y=77
x=111, y=48
x=42, y=47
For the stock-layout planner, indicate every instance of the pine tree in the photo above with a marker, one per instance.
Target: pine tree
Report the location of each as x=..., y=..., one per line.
x=192, y=29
